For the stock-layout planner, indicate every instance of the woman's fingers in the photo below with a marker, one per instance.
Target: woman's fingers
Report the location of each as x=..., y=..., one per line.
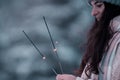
x=58, y=77
x=65, y=77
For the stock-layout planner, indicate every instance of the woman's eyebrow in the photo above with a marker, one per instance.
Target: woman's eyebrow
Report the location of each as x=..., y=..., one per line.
x=97, y=2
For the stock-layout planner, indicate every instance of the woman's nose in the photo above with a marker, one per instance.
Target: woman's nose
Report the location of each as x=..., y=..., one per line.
x=94, y=12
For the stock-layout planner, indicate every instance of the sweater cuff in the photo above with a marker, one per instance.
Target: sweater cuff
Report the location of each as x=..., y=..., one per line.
x=78, y=78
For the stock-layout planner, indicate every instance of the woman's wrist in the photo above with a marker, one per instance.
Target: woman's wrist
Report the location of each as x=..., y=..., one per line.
x=79, y=78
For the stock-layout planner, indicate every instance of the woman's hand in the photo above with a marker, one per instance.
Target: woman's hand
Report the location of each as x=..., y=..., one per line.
x=65, y=77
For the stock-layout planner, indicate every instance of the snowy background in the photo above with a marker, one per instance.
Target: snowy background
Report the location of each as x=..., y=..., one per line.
x=68, y=20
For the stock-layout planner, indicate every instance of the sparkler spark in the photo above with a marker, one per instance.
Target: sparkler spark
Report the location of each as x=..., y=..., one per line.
x=54, y=48
x=43, y=57
x=56, y=42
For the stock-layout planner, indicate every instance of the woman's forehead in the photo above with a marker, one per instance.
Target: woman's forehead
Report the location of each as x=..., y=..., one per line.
x=95, y=1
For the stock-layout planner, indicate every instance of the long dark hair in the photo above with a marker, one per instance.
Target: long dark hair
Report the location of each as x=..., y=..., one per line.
x=98, y=39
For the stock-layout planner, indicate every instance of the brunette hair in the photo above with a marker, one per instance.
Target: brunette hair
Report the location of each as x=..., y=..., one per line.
x=98, y=38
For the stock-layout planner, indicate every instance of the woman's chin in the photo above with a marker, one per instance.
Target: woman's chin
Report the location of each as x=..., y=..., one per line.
x=98, y=19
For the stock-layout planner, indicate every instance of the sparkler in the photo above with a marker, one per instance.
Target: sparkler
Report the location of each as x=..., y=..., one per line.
x=43, y=56
x=54, y=48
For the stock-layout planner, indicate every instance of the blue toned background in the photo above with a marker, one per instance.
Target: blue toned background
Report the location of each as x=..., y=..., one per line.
x=68, y=20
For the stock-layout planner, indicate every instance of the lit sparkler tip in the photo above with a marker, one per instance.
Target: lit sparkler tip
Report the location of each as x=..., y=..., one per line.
x=44, y=57
x=56, y=42
x=55, y=49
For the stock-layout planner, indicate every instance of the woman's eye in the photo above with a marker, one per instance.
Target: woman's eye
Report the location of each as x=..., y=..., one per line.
x=99, y=5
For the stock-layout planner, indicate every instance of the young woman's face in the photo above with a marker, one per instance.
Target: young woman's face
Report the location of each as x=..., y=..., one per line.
x=97, y=9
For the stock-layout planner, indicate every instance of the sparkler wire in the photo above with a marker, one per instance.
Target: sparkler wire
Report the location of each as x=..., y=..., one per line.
x=59, y=63
x=43, y=57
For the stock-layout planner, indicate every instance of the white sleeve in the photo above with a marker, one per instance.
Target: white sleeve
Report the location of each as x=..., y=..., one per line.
x=115, y=75
x=79, y=78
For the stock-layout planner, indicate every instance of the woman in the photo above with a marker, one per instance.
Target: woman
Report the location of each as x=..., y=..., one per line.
x=101, y=59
